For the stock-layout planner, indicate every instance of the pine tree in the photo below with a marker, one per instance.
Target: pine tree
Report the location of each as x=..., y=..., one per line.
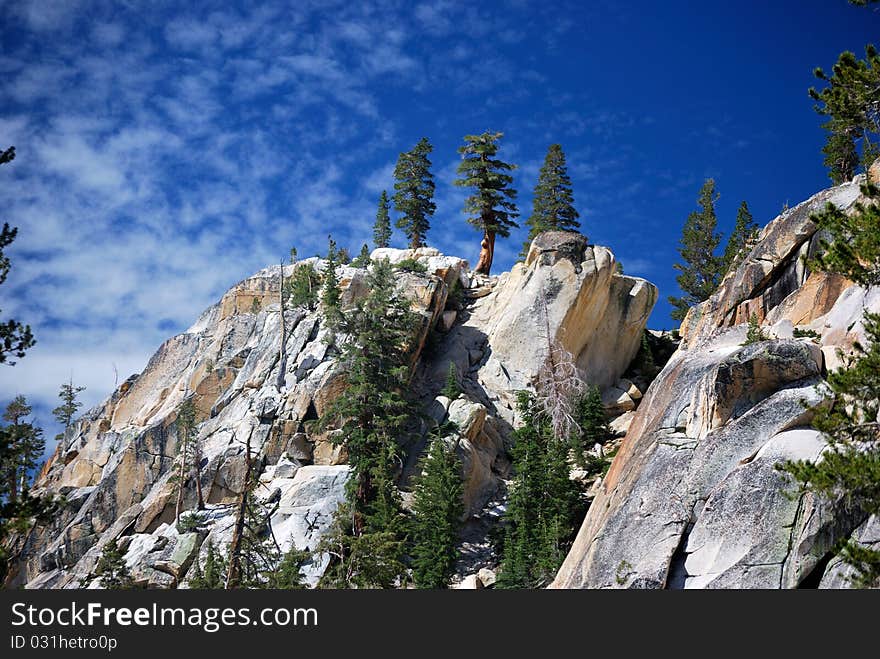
x=372, y=416
x=452, y=389
x=363, y=259
x=553, y=201
x=850, y=467
x=189, y=455
x=490, y=208
x=592, y=425
x=288, y=574
x=437, y=513
x=414, y=192
x=330, y=294
x=15, y=337
x=302, y=287
x=65, y=412
x=743, y=238
x=26, y=446
x=111, y=567
x=382, y=227
x=211, y=578
x=701, y=270
x=543, y=505
x=850, y=102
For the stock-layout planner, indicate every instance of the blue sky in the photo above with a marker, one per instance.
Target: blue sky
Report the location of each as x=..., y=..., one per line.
x=168, y=150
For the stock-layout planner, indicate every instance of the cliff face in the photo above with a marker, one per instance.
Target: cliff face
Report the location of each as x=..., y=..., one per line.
x=693, y=499
x=115, y=465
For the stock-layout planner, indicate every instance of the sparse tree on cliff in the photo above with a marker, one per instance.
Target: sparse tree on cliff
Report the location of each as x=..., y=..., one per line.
x=382, y=227
x=111, y=567
x=701, y=269
x=330, y=294
x=189, y=456
x=65, y=412
x=743, y=238
x=490, y=208
x=414, y=192
x=850, y=101
x=553, y=202
x=25, y=447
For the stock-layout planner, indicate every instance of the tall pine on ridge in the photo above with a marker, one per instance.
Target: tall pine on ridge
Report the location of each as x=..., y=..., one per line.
x=553, y=202
x=414, y=192
x=701, y=269
x=745, y=233
x=382, y=227
x=490, y=208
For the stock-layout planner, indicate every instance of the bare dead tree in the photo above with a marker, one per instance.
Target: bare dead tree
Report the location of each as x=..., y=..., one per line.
x=558, y=384
x=282, y=354
x=233, y=574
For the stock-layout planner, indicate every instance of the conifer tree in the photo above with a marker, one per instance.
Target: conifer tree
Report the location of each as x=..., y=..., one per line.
x=701, y=269
x=330, y=294
x=452, y=389
x=592, y=425
x=543, y=503
x=382, y=227
x=111, y=567
x=363, y=259
x=189, y=455
x=414, y=192
x=26, y=446
x=15, y=337
x=437, y=513
x=850, y=467
x=65, y=412
x=553, y=202
x=288, y=574
x=372, y=416
x=302, y=287
x=490, y=208
x=745, y=233
x=211, y=577
x=850, y=102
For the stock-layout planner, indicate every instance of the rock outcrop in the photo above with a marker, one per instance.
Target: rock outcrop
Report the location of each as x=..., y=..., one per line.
x=693, y=499
x=115, y=465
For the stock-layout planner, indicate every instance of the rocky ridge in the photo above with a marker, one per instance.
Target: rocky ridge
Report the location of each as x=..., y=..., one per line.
x=114, y=466
x=693, y=499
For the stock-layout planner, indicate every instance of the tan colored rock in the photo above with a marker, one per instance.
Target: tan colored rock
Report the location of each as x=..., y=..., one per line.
x=620, y=425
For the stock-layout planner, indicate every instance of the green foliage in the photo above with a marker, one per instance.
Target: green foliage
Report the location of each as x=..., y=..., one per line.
x=644, y=360
x=372, y=416
x=701, y=269
x=189, y=522
x=543, y=507
x=288, y=574
x=411, y=265
x=490, y=207
x=111, y=568
x=438, y=509
x=212, y=577
x=414, y=192
x=302, y=287
x=754, y=334
x=745, y=233
x=362, y=260
x=15, y=337
x=553, y=201
x=65, y=412
x=849, y=100
x=452, y=389
x=255, y=306
x=591, y=423
x=806, y=334
x=382, y=227
x=330, y=293
x=854, y=246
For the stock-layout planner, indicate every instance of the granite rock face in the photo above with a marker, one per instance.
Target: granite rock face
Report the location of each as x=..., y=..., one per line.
x=115, y=466
x=694, y=499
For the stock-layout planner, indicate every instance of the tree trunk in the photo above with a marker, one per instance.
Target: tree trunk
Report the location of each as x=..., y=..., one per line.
x=181, y=480
x=233, y=575
x=487, y=253
x=201, y=499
